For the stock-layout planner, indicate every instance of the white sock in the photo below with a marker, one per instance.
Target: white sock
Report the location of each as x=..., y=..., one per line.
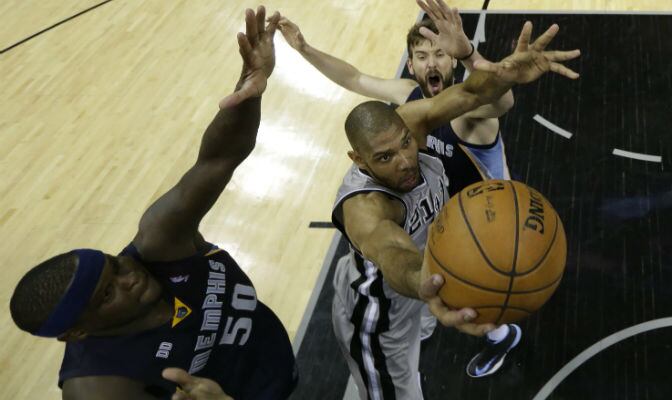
x=497, y=335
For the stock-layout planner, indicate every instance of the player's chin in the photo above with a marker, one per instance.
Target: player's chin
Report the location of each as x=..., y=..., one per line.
x=409, y=183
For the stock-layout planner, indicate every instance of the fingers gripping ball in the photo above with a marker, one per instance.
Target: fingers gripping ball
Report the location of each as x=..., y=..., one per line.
x=501, y=248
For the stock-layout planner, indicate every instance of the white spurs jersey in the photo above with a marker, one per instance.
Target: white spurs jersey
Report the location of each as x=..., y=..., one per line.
x=359, y=280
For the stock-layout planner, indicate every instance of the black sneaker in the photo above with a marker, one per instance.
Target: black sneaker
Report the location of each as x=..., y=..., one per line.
x=492, y=357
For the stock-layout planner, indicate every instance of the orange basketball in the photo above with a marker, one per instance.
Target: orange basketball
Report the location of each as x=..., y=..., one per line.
x=501, y=248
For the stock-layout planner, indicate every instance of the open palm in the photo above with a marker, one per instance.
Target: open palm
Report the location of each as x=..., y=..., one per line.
x=451, y=37
x=256, y=49
x=531, y=60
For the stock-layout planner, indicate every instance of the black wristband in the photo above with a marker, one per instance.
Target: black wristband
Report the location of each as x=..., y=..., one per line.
x=470, y=53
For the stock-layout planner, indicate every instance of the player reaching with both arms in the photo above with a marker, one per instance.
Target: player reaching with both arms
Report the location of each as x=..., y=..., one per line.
x=470, y=145
x=384, y=207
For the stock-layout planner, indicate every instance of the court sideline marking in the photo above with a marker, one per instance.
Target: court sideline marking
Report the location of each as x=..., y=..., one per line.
x=553, y=127
x=34, y=35
x=637, y=156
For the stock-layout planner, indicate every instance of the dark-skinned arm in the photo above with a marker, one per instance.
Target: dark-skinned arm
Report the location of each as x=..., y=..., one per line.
x=480, y=88
x=372, y=222
x=169, y=228
x=528, y=62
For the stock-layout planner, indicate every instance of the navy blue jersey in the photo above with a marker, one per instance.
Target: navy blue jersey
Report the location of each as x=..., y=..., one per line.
x=465, y=163
x=219, y=330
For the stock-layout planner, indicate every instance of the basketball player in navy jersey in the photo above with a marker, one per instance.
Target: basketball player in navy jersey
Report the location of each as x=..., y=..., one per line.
x=170, y=299
x=470, y=145
x=384, y=206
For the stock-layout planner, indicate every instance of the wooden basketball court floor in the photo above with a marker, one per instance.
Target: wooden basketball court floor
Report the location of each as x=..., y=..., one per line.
x=103, y=113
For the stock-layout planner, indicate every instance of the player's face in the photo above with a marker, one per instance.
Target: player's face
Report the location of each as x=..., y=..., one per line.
x=392, y=158
x=126, y=292
x=432, y=67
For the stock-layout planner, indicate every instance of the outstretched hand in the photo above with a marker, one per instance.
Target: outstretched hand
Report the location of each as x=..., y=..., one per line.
x=194, y=388
x=459, y=319
x=292, y=34
x=256, y=49
x=530, y=60
x=451, y=37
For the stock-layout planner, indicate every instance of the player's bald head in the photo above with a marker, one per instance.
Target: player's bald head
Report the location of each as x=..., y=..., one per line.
x=367, y=120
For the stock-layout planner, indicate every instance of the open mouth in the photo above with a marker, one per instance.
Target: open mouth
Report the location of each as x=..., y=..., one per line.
x=435, y=82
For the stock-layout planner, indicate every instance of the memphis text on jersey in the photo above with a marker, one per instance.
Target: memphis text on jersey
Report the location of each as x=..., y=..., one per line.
x=236, y=330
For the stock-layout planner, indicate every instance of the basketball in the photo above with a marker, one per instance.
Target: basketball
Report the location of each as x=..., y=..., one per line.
x=501, y=249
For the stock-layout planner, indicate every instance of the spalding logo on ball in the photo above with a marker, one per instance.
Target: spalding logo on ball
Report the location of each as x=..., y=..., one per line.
x=501, y=248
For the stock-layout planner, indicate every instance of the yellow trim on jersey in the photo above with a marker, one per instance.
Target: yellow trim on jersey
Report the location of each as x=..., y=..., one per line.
x=180, y=306
x=213, y=251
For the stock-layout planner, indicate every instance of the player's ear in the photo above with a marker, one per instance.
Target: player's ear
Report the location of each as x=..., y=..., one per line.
x=454, y=62
x=357, y=159
x=409, y=64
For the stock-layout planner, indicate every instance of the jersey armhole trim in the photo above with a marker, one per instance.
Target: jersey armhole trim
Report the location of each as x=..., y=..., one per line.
x=494, y=143
x=339, y=205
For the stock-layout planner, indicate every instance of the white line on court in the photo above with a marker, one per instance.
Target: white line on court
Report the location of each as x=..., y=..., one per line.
x=596, y=348
x=637, y=156
x=553, y=127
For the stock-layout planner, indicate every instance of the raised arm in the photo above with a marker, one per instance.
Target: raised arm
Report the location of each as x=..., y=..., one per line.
x=344, y=74
x=372, y=221
x=526, y=64
x=454, y=41
x=169, y=228
x=422, y=116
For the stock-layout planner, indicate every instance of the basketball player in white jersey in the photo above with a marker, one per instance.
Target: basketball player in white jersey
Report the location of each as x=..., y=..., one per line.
x=384, y=206
x=470, y=146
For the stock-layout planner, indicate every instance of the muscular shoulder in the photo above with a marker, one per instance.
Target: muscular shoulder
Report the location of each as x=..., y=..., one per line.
x=105, y=388
x=373, y=206
x=157, y=246
x=366, y=215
